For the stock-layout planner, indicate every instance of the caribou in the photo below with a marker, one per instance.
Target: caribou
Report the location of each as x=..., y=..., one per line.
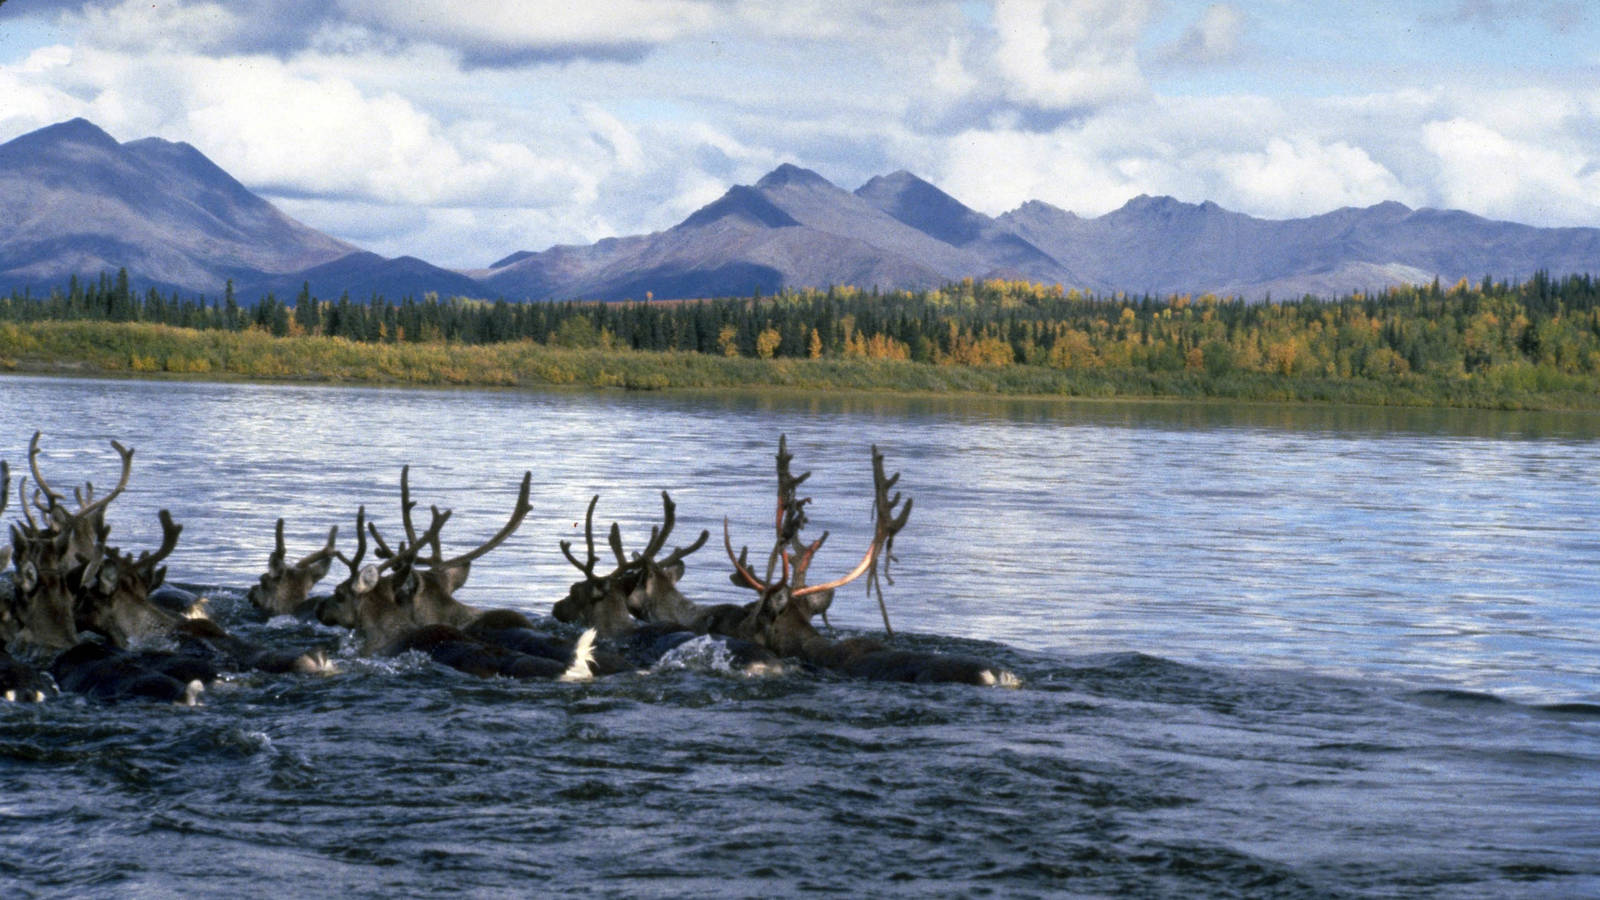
x=104, y=610
x=407, y=602
x=285, y=589
x=781, y=618
x=638, y=606
x=111, y=622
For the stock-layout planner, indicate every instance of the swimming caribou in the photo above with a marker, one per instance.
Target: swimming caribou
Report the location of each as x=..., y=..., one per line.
x=406, y=601
x=110, y=622
x=780, y=618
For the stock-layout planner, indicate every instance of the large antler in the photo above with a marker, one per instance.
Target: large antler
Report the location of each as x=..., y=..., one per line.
x=88, y=506
x=38, y=479
x=887, y=524
x=517, y=515
x=658, y=538
x=587, y=568
x=889, y=517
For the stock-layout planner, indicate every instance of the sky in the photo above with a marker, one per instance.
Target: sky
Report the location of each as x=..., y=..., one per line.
x=461, y=131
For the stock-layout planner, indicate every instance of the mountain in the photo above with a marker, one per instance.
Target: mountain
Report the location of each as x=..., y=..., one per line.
x=1162, y=245
x=792, y=228
x=80, y=203
x=795, y=229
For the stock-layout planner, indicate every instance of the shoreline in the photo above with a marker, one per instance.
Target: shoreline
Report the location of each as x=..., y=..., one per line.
x=147, y=352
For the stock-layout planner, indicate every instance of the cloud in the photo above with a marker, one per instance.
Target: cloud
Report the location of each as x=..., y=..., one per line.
x=1292, y=178
x=1485, y=171
x=483, y=33
x=1216, y=37
x=494, y=33
x=1042, y=64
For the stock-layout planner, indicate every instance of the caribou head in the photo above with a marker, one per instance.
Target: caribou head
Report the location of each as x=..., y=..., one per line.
x=285, y=588
x=113, y=589
x=406, y=589
x=640, y=587
x=781, y=618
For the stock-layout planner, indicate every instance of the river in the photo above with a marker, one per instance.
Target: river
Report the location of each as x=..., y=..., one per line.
x=1265, y=651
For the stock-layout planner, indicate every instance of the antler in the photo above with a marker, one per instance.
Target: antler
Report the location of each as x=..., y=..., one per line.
x=88, y=506
x=669, y=510
x=38, y=479
x=887, y=524
x=169, y=542
x=318, y=556
x=361, y=543
x=517, y=515
x=588, y=535
x=407, y=504
x=740, y=563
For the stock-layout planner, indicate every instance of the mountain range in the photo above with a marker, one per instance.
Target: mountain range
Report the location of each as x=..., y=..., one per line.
x=79, y=202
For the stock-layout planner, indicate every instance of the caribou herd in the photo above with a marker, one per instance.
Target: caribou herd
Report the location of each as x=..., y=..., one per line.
x=81, y=615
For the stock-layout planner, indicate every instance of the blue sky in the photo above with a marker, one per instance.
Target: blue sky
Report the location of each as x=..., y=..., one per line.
x=463, y=131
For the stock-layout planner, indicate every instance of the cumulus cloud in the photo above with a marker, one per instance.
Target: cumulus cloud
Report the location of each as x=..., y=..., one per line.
x=1042, y=63
x=1483, y=170
x=1295, y=177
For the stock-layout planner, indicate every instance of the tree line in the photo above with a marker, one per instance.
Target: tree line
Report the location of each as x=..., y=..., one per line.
x=1542, y=325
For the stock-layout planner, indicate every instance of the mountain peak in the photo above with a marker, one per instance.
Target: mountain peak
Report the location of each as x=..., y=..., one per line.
x=1390, y=208
x=743, y=204
x=1161, y=203
x=1041, y=208
x=899, y=179
x=791, y=174
x=72, y=131
x=79, y=129
x=923, y=206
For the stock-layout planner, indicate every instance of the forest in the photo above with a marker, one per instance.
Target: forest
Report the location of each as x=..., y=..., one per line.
x=1494, y=343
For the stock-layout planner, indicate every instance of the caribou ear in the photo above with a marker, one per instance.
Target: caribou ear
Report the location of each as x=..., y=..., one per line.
x=367, y=580
x=158, y=579
x=275, y=564
x=319, y=568
x=5, y=557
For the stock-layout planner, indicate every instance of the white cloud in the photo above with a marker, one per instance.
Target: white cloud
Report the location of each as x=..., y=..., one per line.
x=145, y=27
x=520, y=31
x=1484, y=171
x=1068, y=54
x=1301, y=177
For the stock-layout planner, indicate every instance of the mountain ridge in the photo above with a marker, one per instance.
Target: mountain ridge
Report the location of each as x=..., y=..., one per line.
x=83, y=203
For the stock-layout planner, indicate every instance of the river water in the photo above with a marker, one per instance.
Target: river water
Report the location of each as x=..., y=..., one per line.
x=1266, y=651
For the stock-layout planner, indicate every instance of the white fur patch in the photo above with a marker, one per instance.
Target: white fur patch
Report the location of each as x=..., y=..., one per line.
x=582, y=656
